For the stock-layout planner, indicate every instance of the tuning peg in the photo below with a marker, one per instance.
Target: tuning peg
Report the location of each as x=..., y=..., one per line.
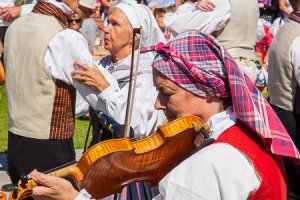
x=15, y=192
x=24, y=180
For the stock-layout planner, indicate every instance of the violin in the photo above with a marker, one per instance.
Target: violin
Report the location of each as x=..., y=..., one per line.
x=107, y=167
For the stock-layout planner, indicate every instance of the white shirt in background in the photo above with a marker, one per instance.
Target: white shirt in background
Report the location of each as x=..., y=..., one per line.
x=188, y=18
x=25, y=9
x=295, y=57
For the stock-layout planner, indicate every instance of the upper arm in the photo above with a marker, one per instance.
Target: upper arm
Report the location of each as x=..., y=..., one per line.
x=64, y=48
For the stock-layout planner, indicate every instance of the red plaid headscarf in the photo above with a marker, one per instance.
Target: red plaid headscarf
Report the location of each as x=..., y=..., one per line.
x=199, y=64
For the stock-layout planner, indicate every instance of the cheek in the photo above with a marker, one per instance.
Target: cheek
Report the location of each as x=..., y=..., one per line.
x=173, y=106
x=120, y=40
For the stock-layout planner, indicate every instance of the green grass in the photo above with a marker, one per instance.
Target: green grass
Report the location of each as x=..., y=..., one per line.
x=3, y=121
x=80, y=126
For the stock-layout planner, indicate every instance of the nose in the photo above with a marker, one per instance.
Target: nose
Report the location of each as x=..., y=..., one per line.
x=106, y=28
x=159, y=103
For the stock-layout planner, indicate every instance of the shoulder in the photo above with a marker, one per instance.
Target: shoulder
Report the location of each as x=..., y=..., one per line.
x=218, y=155
x=70, y=35
x=69, y=39
x=218, y=168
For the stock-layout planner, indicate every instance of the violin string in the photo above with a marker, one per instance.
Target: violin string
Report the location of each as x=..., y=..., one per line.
x=60, y=167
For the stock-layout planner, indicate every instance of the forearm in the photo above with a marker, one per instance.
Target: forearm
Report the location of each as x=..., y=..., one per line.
x=144, y=116
x=283, y=8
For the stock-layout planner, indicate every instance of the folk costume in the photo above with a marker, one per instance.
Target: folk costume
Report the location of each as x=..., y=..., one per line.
x=245, y=161
x=145, y=116
x=284, y=88
x=57, y=52
x=40, y=107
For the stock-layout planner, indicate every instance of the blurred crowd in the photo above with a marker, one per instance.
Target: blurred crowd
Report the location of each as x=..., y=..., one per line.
x=84, y=57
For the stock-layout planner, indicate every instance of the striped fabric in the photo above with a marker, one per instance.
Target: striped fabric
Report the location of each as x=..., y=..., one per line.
x=205, y=68
x=63, y=113
x=51, y=10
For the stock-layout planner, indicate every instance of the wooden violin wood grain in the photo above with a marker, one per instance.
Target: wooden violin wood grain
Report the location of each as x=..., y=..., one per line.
x=107, y=167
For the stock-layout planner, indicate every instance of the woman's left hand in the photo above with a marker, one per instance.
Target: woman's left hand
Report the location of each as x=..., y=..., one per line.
x=51, y=187
x=90, y=76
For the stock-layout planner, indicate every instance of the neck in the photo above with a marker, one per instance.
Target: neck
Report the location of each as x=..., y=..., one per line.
x=120, y=55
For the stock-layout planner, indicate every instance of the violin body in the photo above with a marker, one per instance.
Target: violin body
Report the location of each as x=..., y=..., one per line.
x=107, y=167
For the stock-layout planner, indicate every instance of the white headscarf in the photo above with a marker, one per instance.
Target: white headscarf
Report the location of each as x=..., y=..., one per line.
x=141, y=16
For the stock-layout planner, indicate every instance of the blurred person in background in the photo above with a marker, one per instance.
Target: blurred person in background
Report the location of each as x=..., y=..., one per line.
x=222, y=19
x=9, y=11
x=74, y=21
x=268, y=9
x=285, y=11
x=89, y=27
x=284, y=87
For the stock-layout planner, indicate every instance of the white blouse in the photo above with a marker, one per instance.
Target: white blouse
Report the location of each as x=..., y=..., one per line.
x=218, y=171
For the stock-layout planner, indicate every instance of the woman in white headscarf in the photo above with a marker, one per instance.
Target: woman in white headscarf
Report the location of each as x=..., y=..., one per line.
x=122, y=19
x=113, y=82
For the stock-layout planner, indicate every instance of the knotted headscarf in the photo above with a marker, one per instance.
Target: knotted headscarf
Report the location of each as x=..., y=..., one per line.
x=141, y=16
x=199, y=64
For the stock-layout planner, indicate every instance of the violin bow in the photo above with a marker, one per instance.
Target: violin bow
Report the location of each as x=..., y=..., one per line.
x=131, y=89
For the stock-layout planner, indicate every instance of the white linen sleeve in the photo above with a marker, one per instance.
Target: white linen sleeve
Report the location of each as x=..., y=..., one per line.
x=27, y=8
x=206, y=22
x=295, y=57
x=144, y=116
x=81, y=106
x=83, y=195
x=63, y=49
x=218, y=171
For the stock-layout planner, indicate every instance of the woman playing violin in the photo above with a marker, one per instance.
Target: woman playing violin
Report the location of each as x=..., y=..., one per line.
x=195, y=75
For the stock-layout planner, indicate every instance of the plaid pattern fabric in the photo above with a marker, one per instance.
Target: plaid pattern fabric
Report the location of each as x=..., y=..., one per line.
x=205, y=68
x=63, y=113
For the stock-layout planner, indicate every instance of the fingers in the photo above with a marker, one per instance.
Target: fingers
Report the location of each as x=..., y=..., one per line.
x=83, y=80
x=78, y=73
x=39, y=191
x=10, y=13
x=4, y=12
x=206, y=5
x=82, y=65
x=41, y=178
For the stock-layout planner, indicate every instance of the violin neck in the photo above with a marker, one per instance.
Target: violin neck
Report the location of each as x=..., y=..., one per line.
x=71, y=170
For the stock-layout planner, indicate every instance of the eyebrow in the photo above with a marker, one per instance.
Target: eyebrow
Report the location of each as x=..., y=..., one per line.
x=163, y=86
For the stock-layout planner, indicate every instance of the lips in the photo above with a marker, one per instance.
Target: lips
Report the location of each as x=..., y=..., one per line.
x=170, y=116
